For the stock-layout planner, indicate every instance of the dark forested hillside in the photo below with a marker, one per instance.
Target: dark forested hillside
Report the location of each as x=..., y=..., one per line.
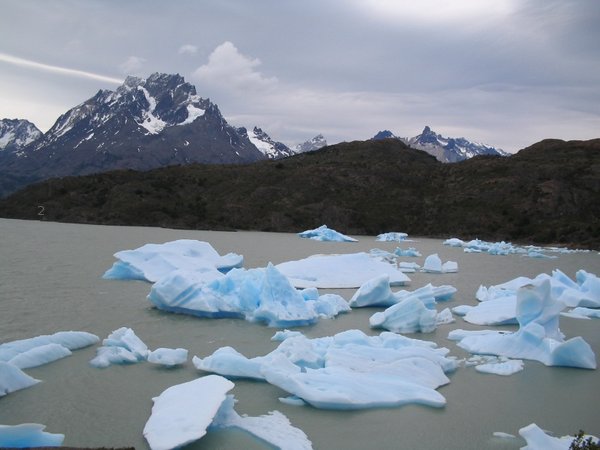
x=547, y=193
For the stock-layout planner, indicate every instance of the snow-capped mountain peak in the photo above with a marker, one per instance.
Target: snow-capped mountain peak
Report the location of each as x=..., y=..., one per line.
x=16, y=134
x=313, y=144
x=265, y=144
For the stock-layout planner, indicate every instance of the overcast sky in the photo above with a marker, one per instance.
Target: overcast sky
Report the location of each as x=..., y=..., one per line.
x=507, y=73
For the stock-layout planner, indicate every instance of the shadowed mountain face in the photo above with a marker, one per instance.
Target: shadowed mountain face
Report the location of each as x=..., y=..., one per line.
x=547, y=193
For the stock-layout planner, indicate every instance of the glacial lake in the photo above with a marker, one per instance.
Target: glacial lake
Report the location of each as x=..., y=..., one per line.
x=50, y=280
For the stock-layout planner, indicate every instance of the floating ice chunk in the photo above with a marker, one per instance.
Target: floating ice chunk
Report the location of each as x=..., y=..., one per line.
x=122, y=346
x=537, y=439
x=409, y=316
x=13, y=379
x=392, y=236
x=281, y=336
x=408, y=267
x=169, y=357
x=538, y=337
x=71, y=340
x=182, y=413
x=501, y=368
x=411, y=251
x=40, y=355
x=151, y=262
x=374, y=292
x=444, y=317
x=347, y=371
x=340, y=271
x=500, y=311
x=461, y=310
x=433, y=264
x=502, y=435
x=585, y=312
x=273, y=428
x=326, y=234
x=28, y=435
x=454, y=242
x=264, y=295
x=537, y=254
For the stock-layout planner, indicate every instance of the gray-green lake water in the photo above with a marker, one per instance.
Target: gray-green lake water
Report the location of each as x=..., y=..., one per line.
x=50, y=280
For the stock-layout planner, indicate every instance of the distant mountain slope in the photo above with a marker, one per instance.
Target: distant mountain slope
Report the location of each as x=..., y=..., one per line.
x=311, y=145
x=547, y=193
x=443, y=148
x=267, y=146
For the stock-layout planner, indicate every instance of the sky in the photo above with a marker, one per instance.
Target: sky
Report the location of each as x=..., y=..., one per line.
x=507, y=73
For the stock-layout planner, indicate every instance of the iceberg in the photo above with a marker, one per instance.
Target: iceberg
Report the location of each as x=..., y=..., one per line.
x=151, y=262
x=537, y=439
x=326, y=234
x=505, y=248
x=504, y=368
x=273, y=428
x=340, y=271
x=185, y=412
x=433, y=264
x=391, y=236
x=122, y=346
x=411, y=251
x=584, y=312
x=33, y=352
x=538, y=337
x=257, y=295
x=409, y=316
x=377, y=292
x=169, y=357
x=349, y=370
x=28, y=435
x=13, y=379
x=182, y=413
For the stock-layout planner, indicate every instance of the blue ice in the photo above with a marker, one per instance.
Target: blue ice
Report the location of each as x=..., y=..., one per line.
x=349, y=370
x=392, y=236
x=538, y=338
x=28, y=435
x=13, y=379
x=122, y=346
x=169, y=357
x=323, y=233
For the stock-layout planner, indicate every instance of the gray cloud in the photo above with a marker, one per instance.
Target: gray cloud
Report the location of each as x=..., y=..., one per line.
x=506, y=73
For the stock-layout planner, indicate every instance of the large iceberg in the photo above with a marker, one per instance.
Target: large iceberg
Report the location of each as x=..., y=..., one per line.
x=151, y=262
x=258, y=295
x=433, y=264
x=340, y=271
x=13, y=379
x=33, y=352
x=498, y=303
x=28, y=435
x=122, y=346
x=349, y=370
x=326, y=234
x=184, y=413
x=538, y=337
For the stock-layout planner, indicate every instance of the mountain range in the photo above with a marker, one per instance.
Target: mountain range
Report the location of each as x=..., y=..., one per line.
x=443, y=148
x=157, y=122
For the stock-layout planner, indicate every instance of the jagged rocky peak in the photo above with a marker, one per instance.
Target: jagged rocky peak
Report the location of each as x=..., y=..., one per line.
x=15, y=134
x=384, y=134
x=313, y=144
x=265, y=144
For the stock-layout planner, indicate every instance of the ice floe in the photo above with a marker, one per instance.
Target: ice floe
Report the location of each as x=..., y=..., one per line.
x=377, y=292
x=503, y=367
x=169, y=357
x=151, y=262
x=537, y=439
x=257, y=295
x=433, y=264
x=28, y=435
x=391, y=236
x=33, y=352
x=411, y=252
x=505, y=248
x=349, y=370
x=409, y=316
x=498, y=303
x=13, y=379
x=581, y=312
x=182, y=413
x=122, y=346
x=323, y=233
x=340, y=271
x=538, y=337
x=185, y=412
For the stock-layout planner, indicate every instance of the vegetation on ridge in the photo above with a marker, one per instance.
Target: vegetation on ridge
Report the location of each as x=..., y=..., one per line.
x=548, y=193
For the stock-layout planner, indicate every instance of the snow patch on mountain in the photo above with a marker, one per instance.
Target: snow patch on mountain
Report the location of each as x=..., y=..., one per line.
x=16, y=134
x=313, y=144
